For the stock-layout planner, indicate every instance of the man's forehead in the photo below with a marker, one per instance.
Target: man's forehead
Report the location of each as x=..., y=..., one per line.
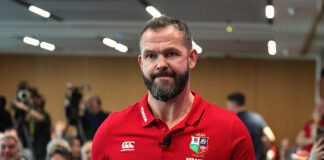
x=8, y=141
x=169, y=35
x=162, y=32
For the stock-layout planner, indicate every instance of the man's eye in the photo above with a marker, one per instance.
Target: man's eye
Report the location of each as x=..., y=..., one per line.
x=172, y=53
x=150, y=56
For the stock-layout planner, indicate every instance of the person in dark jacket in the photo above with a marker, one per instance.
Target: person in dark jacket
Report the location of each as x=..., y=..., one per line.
x=91, y=119
x=5, y=117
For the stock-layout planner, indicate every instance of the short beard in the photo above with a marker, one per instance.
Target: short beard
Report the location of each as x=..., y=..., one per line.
x=164, y=94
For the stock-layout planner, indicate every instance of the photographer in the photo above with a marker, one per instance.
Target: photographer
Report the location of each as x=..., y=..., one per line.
x=33, y=123
x=91, y=119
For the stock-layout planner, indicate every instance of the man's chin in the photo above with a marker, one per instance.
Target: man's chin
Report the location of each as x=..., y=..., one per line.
x=163, y=82
x=163, y=86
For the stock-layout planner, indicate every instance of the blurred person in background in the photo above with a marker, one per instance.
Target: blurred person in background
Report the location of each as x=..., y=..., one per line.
x=59, y=130
x=60, y=153
x=36, y=125
x=20, y=158
x=91, y=119
x=86, y=151
x=9, y=147
x=317, y=151
x=75, y=144
x=5, y=117
x=57, y=144
x=260, y=132
x=306, y=137
x=26, y=152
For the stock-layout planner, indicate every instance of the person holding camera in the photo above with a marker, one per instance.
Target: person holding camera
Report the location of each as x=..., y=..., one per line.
x=36, y=125
x=91, y=119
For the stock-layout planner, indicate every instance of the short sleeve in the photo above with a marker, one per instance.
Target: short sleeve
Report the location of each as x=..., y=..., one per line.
x=99, y=149
x=241, y=143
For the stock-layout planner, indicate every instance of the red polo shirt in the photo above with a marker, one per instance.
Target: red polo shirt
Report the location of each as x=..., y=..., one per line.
x=207, y=132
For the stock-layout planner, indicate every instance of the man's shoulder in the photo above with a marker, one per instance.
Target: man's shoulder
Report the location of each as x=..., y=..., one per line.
x=118, y=118
x=217, y=113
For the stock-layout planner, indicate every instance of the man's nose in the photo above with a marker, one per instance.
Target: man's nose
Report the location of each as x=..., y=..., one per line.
x=7, y=149
x=162, y=63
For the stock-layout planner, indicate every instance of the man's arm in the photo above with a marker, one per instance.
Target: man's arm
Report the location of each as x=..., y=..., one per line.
x=269, y=134
x=32, y=112
x=302, y=140
x=101, y=141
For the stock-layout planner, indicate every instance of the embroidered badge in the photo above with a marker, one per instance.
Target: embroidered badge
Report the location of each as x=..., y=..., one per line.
x=199, y=144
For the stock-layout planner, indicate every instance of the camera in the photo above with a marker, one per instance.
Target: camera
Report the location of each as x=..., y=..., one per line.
x=25, y=92
x=74, y=97
x=24, y=95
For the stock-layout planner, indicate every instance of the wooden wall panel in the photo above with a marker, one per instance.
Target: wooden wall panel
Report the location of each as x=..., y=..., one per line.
x=281, y=91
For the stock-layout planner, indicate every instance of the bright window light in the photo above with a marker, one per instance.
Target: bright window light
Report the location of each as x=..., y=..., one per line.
x=195, y=46
x=272, y=47
x=31, y=41
x=269, y=11
x=47, y=46
x=109, y=42
x=121, y=48
x=39, y=11
x=152, y=11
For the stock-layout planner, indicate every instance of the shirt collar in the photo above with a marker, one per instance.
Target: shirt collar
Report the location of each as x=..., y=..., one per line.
x=147, y=116
x=196, y=111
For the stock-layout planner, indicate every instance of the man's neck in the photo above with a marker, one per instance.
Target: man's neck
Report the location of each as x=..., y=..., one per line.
x=240, y=109
x=174, y=110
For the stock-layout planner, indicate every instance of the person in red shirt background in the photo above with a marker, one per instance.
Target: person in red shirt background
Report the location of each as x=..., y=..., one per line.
x=171, y=121
x=306, y=137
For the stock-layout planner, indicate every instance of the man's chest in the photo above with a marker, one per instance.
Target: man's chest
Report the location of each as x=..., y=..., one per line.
x=186, y=144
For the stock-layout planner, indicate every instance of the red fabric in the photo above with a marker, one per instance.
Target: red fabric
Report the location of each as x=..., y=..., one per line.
x=274, y=150
x=135, y=134
x=307, y=131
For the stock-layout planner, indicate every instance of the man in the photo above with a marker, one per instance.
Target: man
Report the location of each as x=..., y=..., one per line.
x=86, y=151
x=26, y=152
x=92, y=118
x=254, y=123
x=9, y=147
x=5, y=117
x=59, y=130
x=60, y=153
x=39, y=125
x=171, y=121
x=75, y=143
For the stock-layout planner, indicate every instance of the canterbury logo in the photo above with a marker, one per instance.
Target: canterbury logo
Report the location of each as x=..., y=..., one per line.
x=128, y=146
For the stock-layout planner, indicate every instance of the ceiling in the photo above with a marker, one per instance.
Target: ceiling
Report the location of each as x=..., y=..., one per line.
x=87, y=21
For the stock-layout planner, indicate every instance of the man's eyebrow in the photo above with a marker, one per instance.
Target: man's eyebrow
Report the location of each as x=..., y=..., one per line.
x=147, y=51
x=172, y=49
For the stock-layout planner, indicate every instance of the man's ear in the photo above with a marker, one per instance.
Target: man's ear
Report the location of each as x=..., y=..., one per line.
x=193, y=56
x=139, y=59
